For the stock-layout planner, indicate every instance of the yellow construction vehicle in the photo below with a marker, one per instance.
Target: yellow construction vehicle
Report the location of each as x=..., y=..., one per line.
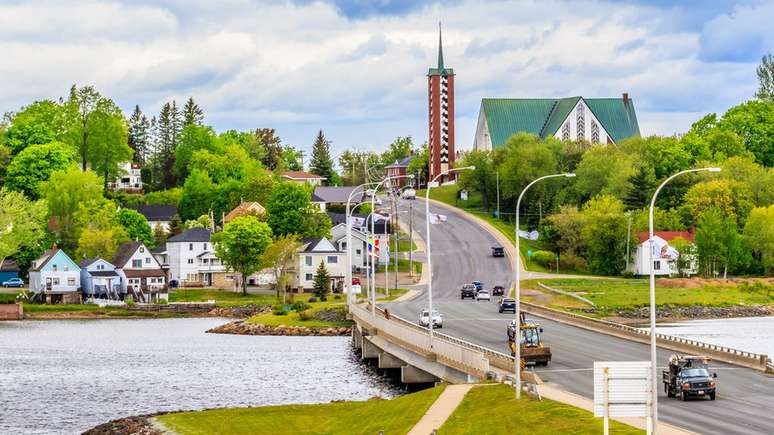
x=532, y=349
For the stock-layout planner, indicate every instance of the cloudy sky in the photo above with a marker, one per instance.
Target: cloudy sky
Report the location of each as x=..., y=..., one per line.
x=356, y=69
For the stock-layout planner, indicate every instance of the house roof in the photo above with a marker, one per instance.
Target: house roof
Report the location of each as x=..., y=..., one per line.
x=8, y=265
x=309, y=243
x=44, y=258
x=124, y=253
x=402, y=163
x=155, y=212
x=192, y=235
x=544, y=116
x=248, y=207
x=144, y=273
x=666, y=235
x=301, y=175
x=103, y=273
x=87, y=261
x=339, y=218
x=337, y=194
x=159, y=249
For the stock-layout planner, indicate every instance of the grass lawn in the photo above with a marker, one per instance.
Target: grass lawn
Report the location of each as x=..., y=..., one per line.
x=494, y=410
x=395, y=416
x=294, y=319
x=403, y=266
x=403, y=243
x=394, y=294
x=613, y=294
x=222, y=298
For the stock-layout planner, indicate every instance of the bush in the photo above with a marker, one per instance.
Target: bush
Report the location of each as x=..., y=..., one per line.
x=312, y=299
x=572, y=262
x=337, y=297
x=544, y=258
x=300, y=306
x=129, y=301
x=305, y=315
x=279, y=310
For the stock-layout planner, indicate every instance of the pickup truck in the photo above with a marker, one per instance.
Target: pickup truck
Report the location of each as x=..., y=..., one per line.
x=689, y=376
x=468, y=291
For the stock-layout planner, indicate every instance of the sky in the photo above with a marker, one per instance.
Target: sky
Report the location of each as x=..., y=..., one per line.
x=357, y=69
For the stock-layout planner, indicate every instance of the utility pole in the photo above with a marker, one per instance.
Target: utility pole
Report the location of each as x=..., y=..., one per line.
x=411, y=239
x=498, y=194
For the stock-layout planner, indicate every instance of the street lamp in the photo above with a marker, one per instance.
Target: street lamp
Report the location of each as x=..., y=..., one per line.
x=427, y=243
x=517, y=312
x=349, y=240
x=653, y=357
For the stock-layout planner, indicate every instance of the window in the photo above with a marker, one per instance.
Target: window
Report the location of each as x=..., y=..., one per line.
x=594, y=132
x=190, y=261
x=55, y=281
x=190, y=246
x=309, y=277
x=54, y=269
x=70, y=281
x=657, y=265
x=308, y=260
x=566, y=130
x=205, y=261
x=205, y=246
x=581, y=117
x=147, y=260
x=136, y=263
x=332, y=259
x=142, y=249
x=66, y=268
x=357, y=251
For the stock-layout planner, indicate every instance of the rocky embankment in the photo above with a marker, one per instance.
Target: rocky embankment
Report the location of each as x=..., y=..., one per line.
x=138, y=425
x=689, y=312
x=241, y=327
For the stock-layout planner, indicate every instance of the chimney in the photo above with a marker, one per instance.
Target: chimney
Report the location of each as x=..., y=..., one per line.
x=626, y=98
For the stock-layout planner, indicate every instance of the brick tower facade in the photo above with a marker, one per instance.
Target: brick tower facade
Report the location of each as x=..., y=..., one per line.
x=440, y=94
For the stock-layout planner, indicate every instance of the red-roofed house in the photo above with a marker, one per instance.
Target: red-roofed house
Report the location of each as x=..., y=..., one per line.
x=302, y=177
x=664, y=256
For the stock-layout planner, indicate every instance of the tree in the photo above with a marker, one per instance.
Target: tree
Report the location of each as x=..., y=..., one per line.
x=108, y=146
x=87, y=109
x=35, y=164
x=765, y=73
x=136, y=226
x=666, y=155
x=159, y=235
x=316, y=223
x=686, y=257
x=66, y=192
x=232, y=163
x=259, y=186
x=139, y=135
x=22, y=222
x=287, y=207
x=604, y=170
x=175, y=226
x=97, y=242
x=322, y=282
x=641, y=186
x=399, y=149
x=192, y=113
x=194, y=138
x=5, y=159
x=753, y=121
x=241, y=245
x=198, y=195
x=718, y=244
x=39, y=123
x=483, y=179
x=759, y=231
x=169, y=130
x=321, y=163
x=732, y=198
x=604, y=235
x=272, y=145
x=279, y=258
x=420, y=164
x=568, y=223
x=292, y=158
x=760, y=180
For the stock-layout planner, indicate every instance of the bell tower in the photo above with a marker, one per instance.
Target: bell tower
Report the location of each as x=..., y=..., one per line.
x=440, y=94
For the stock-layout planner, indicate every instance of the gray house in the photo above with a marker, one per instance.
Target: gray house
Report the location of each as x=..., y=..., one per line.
x=100, y=280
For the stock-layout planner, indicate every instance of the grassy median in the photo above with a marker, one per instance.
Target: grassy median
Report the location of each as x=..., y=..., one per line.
x=493, y=410
x=396, y=416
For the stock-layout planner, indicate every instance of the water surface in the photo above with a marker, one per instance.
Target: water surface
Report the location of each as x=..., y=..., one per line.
x=751, y=334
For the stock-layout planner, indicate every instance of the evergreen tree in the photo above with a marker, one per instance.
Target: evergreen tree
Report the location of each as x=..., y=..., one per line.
x=139, y=135
x=192, y=113
x=273, y=156
x=322, y=164
x=169, y=131
x=322, y=282
x=641, y=186
x=766, y=79
x=159, y=235
x=175, y=226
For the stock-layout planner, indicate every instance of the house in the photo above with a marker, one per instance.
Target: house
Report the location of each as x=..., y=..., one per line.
x=56, y=276
x=141, y=274
x=193, y=263
x=130, y=180
x=399, y=169
x=302, y=177
x=100, y=279
x=336, y=197
x=359, y=245
x=596, y=120
x=362, y=224
x=664, y=256
x=156, y=215
x=8, y=270
x=245, y=208
x=316, y=250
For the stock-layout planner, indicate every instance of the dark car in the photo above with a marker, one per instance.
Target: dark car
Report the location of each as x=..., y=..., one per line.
x=507, y=304
x=498, y=290
x=498, y=251
x=468, y=291
x=478, y=285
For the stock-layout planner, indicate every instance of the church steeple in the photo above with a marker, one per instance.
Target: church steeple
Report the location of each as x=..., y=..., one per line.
x=440, y=49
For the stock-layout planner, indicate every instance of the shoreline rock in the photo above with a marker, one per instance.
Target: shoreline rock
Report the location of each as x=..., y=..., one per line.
x=692, y=312
x=240, y=327
x=135, y=425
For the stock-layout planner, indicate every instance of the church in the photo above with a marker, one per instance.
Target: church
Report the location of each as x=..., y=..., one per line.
x=595, y=120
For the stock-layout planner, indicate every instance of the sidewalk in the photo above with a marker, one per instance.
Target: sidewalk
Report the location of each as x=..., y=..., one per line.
x=441, y=409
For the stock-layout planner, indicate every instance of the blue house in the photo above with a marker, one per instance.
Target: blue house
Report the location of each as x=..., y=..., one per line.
x=8, y=270
x=99, y=279
x=56, y=277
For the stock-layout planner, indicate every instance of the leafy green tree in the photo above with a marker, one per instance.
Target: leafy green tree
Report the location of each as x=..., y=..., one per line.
x=5, y=159
x=732, y=198
x=108, y=144
x=192, y=113
x=604, y=170
x=765, y=73
x=316, y=223
x=92, y=119
x=718, y=243
x=241, y=245
x=292, y=159
x=760, y=180
x=39, y=123
x=202, y=221
x=279, y=258
x=641, y=187
x=228, y=195
x=322, y=164
x=666, y=155
x=247, y=140
x=272, y=144
x=194, y=138
x=160, y=235
x=399, y=149
x=232, y=163
x=139, y=135
x=322, y=282
x=287, y=208
x=65, y=193
x=35, y=164
x=663, y=219
x=259, y=186
x=175, y=226
x=686, y=257
x=753, y=121
x=420, y=164
x=604, y=235
x=22, y=222
x=483, y=179
x=568, y=224
x=198, y=195
x=759, y=232
x=136, y=226
x=95, y=241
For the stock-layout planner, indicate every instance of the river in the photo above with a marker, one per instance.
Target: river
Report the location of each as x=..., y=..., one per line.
x=751, y=334
x=63, y=377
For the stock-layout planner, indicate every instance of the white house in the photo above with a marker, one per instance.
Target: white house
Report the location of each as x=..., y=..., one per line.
x=359, y=244
x=130, y=179
x=100, y=279
x=192, y=261
x=141, y=274
x=56, y=276
x=316, y=250
x=664, y=256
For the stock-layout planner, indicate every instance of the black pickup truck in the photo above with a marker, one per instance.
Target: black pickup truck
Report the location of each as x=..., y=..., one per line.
x=689, y=376
x=468, y=291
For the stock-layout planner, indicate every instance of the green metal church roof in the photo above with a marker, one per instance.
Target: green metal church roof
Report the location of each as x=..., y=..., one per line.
x=544, y=116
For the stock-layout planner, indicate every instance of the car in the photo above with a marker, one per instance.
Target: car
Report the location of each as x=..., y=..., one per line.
x=13, y=282
x=506, y=304
x=498, y=251
x=498, y=290
x=424, y=319
x=468, y=291
x=409, y=194
x=483, y=295
x=370, y=192
x=478, y=285
x=355, y=281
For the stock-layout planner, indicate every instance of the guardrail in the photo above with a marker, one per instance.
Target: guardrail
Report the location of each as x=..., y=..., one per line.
x=720, y=353
x=448, y=350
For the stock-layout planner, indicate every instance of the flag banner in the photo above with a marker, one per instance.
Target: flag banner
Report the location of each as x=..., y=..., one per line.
x=529, y=235
x=437, y=218
x=357, y=222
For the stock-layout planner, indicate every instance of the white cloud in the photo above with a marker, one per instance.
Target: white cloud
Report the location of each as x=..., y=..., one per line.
x=305, y=67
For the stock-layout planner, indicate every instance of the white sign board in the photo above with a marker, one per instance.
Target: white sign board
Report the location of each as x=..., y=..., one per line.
x=622, y=388
x=356, y=289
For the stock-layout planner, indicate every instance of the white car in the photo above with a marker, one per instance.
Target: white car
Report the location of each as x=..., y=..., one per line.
x=424, y=319
x=483, y=295
x=409, y=194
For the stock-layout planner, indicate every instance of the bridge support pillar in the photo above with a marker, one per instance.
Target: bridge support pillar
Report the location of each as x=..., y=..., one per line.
x=357, y=337
x=413, y=375
x=387, y=361
x=369, y=350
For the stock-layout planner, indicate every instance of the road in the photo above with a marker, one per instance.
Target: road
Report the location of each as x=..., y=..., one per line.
x=461, y=253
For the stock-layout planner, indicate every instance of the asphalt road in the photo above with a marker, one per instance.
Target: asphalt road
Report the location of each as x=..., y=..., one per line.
x=461, y=253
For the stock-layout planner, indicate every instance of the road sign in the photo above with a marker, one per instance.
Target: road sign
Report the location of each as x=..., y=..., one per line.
x=621, y=389
x=529, y=252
